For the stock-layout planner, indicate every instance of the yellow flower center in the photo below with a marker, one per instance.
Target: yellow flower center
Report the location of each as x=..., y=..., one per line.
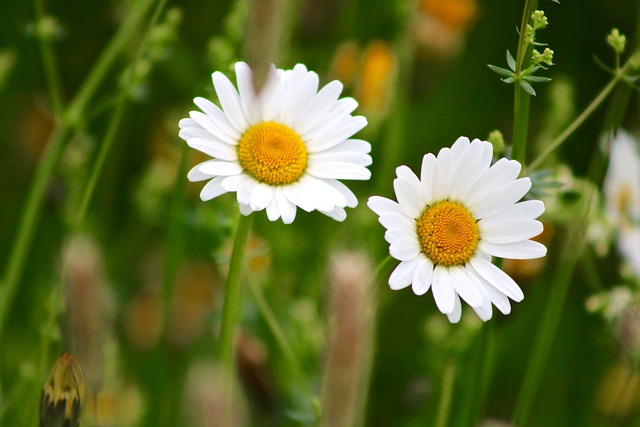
x=448, y=233
x=273, y=153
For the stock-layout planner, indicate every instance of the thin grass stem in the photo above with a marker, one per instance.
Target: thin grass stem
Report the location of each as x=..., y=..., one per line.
x=446, y=392
x=50, y=66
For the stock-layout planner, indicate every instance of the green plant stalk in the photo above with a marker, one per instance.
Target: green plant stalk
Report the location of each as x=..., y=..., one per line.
x=55, y=146
x=446, y=393
x=29, y=220
x=129, y=29
x=597, y=101
x=114, y=125
x=521, y=99
x=231, y=310
x=481, y=373
x=96, y=171
x=49, y=64
x=549, y=325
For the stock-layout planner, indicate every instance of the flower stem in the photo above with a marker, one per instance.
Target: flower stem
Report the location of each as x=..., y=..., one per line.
x=446, y=392
x=549, y=325
x=233, y=295
x=521, y=99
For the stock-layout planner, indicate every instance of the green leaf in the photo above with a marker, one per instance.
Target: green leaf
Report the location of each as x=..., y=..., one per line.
x=500, y=71
x=527, y=87
x=537, y=79
x=510, y=61
x=509, y=80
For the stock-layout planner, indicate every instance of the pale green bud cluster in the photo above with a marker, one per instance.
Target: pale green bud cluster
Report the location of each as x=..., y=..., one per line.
x=545, y=57
x=617, y=41
x=497, y=141
x=47, y=27
x=539, y=20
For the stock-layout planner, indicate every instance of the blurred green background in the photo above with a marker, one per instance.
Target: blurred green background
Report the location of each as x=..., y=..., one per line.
x=149, y=248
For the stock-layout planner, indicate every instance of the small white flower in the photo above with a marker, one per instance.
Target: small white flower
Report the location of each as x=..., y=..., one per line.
x=448, y=224
x=622, y=197
x=282, y=148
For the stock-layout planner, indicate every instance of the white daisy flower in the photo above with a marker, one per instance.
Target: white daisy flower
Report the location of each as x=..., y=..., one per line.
x=448, y=223
x=622, y=197
x=282, y=148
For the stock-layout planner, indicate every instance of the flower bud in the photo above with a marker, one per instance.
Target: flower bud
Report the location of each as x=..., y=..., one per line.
x=63, y=395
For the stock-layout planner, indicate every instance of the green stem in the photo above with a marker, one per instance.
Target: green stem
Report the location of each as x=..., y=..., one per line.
x=479, y=377
x=521, y=99
x=49, y=64
x=275, y=328
x=29, y=220
x=597, y=101
x=129, y=28
x=96, y=171
x=549, y=325
x=231, y=309
x=446, y=393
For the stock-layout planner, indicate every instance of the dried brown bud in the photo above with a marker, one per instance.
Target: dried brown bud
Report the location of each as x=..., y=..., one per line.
x=63, y=394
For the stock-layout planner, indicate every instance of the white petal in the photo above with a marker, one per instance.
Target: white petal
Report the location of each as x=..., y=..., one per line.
x=454, y=316
x=297, y=195
x=215, y=149
x=260, y=197
x=318, y=108
x=245, y=209
x=298, y=94
x=336, y=213
x=443, y=292
x=409, y=196
x=214, y=128
x=212, y=189
x=443, y=174
x=509, y=232
x=195, y=175
x=232, y=183
x=484, y=311
x=221, y=126
x=340, y=111
x=271, y=94
x=194, y=132
x=461, y=145
x=325, y=197
x=403, y=274
x=500, y=300
x=244, y=191
x=426, y=177
x=248, y=98
x=339, y=133
x=497, y=176
x=327, y=156
x=338, y=170
x=286, y=208
x=468, y=170
x=382, y=205
x=393, y=221
x=230, y=101
x=465, y=286
x=404, y=249
x=527, y=249
x=501, y=198
x=496, y=277
x=422, y=276
x=352, y=201
x=221, y=168
x=273, y=213
x=529, y=209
